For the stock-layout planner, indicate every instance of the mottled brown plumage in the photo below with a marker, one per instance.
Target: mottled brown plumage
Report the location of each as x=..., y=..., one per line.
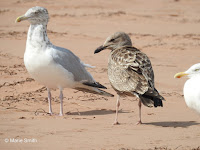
x=130, y=71
x=127, y=70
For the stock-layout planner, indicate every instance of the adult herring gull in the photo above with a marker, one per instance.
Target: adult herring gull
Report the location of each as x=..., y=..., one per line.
x=53, y=66
x=130, y=72
x=191, y=88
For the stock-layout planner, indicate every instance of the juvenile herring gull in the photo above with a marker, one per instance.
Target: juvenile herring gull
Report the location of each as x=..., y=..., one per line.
x=191, y=88
x=130, y=72
x=53, y=66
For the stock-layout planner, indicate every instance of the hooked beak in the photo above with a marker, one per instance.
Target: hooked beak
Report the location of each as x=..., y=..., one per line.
x=180, y=74
x=100, y=48
x=21, y=18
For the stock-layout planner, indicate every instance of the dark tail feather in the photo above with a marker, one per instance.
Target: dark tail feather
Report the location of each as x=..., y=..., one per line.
x=101, y=92
x=94, y=84
x=95, y=91
x=151, y=99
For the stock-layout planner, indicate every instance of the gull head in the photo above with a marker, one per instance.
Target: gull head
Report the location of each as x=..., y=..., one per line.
x=191, y=72
x=35, y=15
x=117, y=40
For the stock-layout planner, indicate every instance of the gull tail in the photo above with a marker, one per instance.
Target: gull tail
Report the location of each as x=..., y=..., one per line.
x=101, y=92
x=94, y=90
x=94, y=84
x=152, y=98
x=93, y=87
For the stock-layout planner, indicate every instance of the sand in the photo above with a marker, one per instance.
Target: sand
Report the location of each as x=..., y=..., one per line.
x=167, y=31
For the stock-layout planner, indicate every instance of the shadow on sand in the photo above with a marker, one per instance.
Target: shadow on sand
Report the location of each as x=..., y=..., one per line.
x=95, y=112
x=174, y=124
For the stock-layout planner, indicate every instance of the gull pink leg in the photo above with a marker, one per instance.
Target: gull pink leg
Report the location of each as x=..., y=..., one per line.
x=61, y=103
x=140, y=105
x=49, y=100
x=117, y=108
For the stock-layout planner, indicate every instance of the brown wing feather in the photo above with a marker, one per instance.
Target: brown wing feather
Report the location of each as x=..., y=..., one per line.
x=130, y=70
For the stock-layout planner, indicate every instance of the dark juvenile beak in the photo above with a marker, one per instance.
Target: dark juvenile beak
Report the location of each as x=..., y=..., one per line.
x=100, y=48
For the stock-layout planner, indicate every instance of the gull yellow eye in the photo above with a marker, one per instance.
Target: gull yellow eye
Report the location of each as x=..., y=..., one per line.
x=196, y=70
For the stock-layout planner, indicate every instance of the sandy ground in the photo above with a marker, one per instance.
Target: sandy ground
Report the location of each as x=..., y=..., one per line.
x=167, y=31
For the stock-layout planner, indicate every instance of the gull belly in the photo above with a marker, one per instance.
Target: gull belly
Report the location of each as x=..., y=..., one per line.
x=192, y=93
x=44, y=70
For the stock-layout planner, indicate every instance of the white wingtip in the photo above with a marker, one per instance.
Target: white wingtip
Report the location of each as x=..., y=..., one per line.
x=87, y=65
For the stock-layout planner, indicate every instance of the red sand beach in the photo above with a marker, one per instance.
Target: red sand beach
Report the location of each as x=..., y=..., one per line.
x=167, y=31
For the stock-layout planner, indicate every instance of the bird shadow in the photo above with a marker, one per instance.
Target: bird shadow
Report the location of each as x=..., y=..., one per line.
x=174, y=124
x=95, y=112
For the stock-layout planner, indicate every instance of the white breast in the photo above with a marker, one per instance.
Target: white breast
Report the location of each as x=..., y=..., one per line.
x=192, y=93
x=43, y=69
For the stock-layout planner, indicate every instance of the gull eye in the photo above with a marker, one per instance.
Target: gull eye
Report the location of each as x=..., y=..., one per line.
x=196, y=69
x=112, y=40
x=36, y=12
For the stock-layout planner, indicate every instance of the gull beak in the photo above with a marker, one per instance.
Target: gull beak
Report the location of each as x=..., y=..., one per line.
x=180, y=74
x=100, y=48
x=21, y=18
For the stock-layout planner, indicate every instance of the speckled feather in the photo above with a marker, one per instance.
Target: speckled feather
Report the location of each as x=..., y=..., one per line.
x=130, y=70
